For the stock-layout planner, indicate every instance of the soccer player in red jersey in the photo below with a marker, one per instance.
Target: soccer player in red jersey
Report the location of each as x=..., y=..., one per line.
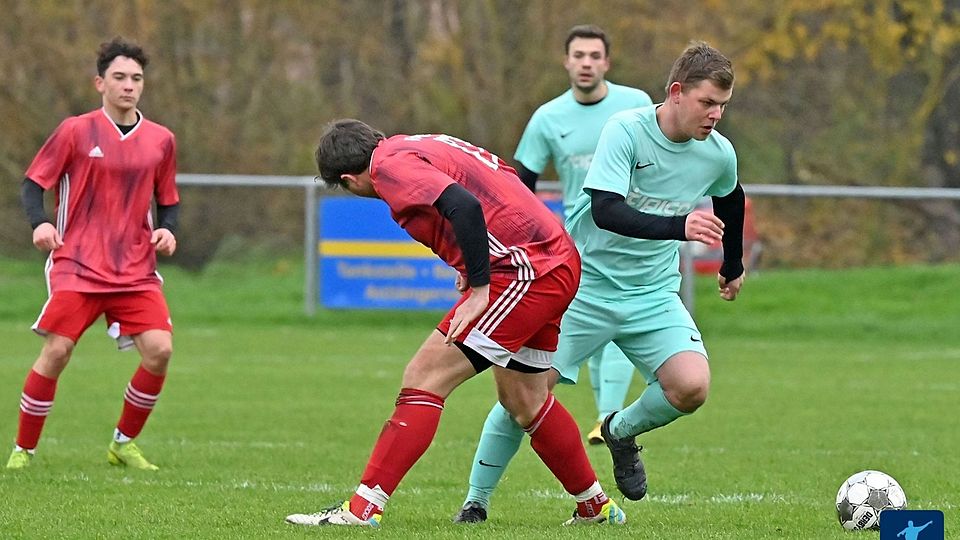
x=518, y=270
x=108, y=166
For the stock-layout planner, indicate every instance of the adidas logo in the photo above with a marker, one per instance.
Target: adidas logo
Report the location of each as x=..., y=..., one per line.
x=96, y=152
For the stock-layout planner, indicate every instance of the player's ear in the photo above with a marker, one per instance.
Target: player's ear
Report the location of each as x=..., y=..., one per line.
x=673, y=91
x=348, y=180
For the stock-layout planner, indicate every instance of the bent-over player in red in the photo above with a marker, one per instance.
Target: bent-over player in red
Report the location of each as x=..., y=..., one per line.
x=518, y=270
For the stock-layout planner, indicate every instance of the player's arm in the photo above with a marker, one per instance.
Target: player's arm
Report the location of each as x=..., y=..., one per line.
x=528, y=177
x=463, y=211
x=611, y=212
x=45, y=235
x=164, y=234
x=730, y=209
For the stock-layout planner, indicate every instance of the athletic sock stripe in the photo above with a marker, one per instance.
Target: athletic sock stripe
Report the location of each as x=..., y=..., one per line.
x=418, y=402
x=142, y=395
x=35, y=402
x=543, y=414
x=139, y=399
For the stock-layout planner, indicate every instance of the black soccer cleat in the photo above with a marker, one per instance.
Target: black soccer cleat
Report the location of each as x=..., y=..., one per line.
x=628, y=469
x=472, y=512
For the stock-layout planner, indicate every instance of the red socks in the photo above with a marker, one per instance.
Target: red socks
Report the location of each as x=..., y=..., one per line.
x=35, y=403
x=138, y=401
x=404, y=438
x=555, y=437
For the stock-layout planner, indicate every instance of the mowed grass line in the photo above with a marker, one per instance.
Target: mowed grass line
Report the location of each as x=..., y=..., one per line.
x=266, y=412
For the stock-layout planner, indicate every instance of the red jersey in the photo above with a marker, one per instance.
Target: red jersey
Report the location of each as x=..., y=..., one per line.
x=106, y=181
x=410, y=172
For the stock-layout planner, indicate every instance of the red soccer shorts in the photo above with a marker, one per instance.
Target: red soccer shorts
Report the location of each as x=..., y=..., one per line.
x=522, y=321
x=69, y=314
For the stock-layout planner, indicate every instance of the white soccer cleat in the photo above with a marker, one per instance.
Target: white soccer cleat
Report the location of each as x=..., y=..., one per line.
x=335, y=515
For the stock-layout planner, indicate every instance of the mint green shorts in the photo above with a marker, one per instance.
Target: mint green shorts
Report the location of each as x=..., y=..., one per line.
x=649, y=330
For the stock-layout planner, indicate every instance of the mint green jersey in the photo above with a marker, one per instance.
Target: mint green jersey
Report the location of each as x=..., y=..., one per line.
x=656, y=176
x=566, y=132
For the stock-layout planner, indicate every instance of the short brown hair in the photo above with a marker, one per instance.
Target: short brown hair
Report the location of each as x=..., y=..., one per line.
x=589, y=31
x=346, y=147
x=118, y=46
x=701, y=62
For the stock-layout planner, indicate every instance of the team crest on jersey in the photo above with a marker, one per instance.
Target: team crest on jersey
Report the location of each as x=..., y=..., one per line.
x=96, y=152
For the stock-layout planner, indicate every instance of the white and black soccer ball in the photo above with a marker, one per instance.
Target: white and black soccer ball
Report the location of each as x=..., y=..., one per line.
x=864, y=495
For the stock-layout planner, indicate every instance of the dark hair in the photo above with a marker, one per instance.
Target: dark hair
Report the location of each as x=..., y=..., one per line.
x=110, y=50
x=345, y=148
x=701, y=62
x=590, y=31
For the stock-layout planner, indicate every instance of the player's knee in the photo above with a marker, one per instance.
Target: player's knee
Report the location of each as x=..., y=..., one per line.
x=688, y=397
x=523, y=408
x=157, y=355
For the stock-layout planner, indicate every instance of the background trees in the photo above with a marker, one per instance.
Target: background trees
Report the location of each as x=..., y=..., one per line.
x=828, y=92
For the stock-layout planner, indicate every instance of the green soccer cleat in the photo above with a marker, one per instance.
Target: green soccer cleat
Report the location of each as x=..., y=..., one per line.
x=610, y=514
x=19, y=459
x=129, y=454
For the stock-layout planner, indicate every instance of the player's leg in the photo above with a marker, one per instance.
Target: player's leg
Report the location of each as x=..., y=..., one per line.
x=593, y=368
x=62, y=321
x=555, y=438
x=435, y=370
x=526, y=394
x=680, y=389
x=140, y=319
x=615, y=374
x=662, y=340
x=499, y=442
x=501, y=436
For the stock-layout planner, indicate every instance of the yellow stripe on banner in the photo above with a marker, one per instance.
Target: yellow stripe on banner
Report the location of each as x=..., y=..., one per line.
x=358, y=248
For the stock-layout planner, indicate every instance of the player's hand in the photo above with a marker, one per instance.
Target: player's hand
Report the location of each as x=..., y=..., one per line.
x=730, y=289
x=164, y=241
x=468, y=311
x=703, y=227
x=46, y=237
x=461, y=282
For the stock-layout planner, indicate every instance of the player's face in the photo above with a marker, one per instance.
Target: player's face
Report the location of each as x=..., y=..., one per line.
x=586, y=63
x=121, y=85
x=699, y=107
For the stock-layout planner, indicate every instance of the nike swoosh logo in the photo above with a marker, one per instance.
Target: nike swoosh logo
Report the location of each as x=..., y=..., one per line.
x=695, y=339
x=639, y=166
x=481, y=462
x=562, y=135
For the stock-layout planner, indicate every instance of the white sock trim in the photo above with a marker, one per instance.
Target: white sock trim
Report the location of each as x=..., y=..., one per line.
x=376, y=495
x=119, y=437
x=591, y=492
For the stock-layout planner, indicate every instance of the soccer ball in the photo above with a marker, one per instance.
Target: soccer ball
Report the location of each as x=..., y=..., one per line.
x=864, y=495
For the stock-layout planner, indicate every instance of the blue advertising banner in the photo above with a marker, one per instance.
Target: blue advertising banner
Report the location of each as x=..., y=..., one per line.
x=367, y=261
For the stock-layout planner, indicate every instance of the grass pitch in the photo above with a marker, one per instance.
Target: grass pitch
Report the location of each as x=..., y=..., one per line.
x=266, y=412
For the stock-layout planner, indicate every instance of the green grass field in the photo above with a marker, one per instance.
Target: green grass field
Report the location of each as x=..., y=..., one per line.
x=266, y=412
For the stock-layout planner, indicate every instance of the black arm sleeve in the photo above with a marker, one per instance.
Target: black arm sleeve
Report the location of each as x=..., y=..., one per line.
x=528, y=177
x=167, y=217
x=464, y=213
x=31, y=197
x=611, y=212
x=730, y=210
